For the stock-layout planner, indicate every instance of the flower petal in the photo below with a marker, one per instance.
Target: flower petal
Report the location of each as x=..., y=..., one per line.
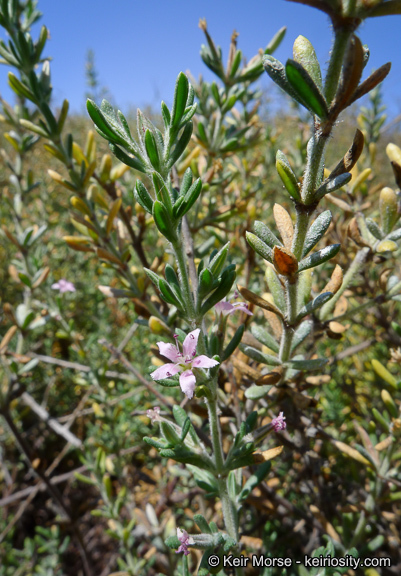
x=224, y=308
x=191, y=342
x=169, y=351
x=243, y=307
x=187, y=383
x=166, y=371
x=204, y=362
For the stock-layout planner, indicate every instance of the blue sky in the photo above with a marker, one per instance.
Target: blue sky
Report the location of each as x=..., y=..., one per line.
x=140, y=47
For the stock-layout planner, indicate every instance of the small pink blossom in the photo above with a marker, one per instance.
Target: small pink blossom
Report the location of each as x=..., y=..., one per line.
x=63, y=286
x=278, y=423
x=183, y=362
x=225, y=307
x=186, y=540
x=154, y=414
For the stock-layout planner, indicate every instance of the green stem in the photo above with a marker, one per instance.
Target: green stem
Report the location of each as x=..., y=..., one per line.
x=215, y=432
x=341, y=38
x=184, y=280
x=285, y=344
x=301, y=229
x=229, y=510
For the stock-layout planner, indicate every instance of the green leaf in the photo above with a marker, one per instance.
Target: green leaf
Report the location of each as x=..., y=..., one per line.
x=169, y=295
x=306, y=89
x=99, y=119
x=189, y=199
x=234, y=342
x=217, y=262
x=162, y=191
x=265, y=338
x=181, y=417
x=319, y=257
x=151, y=150
x=305, y=55
x=276, y=288
x=253, y=481
x=332, y=185
x=374, y=229
x=180, y=99
x=172, y=542
x=259, y=356
x=205, y=282
x=316, y=231
x=276, y=71
x=301, y=333
x=153, y=277
x=224, y=287
x=169, y=433
x=314, y=304
x=276, y=40
x=143, y=197
x=20, y=89
x=202, y=523
x=256, y=392
x=287, y=176
x=163, y=222
x=266, y=235
x=259, y=246
x=180, y=146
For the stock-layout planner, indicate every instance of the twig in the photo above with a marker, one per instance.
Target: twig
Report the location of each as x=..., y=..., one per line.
x=40, y=487
x=51, y=422
x=113, y=350
x=189, y=251
x=50, y=487
x=353, y=350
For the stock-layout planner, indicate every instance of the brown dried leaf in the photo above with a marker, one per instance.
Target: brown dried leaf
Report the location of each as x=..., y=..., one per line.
x=371, y=82
x=272, y=377
x=351, y=157
x=383, y=278
x=7, y=338
x=250, y=296
x=335, y=282
x=352, y=72
x=260, y=457
x=12, y=270
x=245, y=369
x=341, y=307
x=397, y=173
x=275, y=324
x=337, y=327
x=285, y=262
x=318, y=380
x=366, y=441
x=340, y=203
x=284, y=225
x=384, y=444
x=354, y=233
x=329, y=528
x=351, y=452
x=42, y=277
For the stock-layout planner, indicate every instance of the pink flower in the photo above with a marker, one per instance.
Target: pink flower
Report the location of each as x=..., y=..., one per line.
x=63, y=286
x=278, y=423
x=183, y=362
x=225, y=307
x=154, y=414
x=186, y=540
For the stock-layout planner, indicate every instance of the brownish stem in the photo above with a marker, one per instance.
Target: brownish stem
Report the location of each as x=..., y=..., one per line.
x=50, y=487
